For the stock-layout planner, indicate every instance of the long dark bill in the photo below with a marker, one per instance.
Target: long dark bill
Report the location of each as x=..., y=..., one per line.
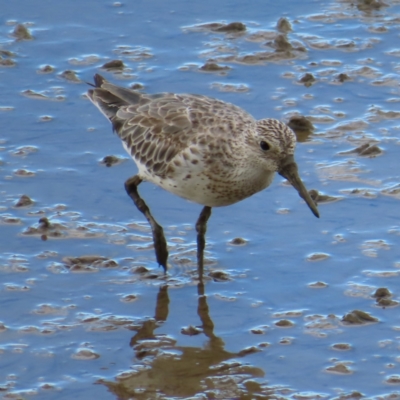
x=289, y=171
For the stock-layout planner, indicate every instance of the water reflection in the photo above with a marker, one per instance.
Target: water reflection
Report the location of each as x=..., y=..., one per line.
x=162, y=367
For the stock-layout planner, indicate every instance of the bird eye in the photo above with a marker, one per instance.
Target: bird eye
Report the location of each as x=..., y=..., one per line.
x=264, y=145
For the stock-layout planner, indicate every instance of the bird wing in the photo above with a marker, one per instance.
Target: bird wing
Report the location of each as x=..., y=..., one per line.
x=156, y=128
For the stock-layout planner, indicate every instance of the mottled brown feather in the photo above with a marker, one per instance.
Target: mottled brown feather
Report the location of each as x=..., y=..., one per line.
x=170, y=120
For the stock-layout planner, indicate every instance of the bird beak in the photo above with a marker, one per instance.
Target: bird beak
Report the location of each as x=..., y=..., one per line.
x=288, y=170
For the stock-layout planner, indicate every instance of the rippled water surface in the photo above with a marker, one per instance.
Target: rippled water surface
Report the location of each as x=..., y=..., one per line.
x=292, y=306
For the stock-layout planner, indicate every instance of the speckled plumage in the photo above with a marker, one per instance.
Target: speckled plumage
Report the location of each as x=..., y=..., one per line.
x=197, y=147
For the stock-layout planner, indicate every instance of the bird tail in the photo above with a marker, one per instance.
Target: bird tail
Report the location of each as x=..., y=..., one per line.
x=108, y=98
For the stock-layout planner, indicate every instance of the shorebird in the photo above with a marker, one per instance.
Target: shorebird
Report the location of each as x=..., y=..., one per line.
x=199, y=148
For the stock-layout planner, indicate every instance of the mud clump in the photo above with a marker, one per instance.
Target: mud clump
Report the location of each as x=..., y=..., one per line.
x=342, y=78
x=281, y=43
x=300, y=125
x=21, y=32
x=238, y=241
x=213, y=67
x=70, y=76
x=284, y=323
x=114, y=64
x=232, y=27
x=370, y=5
x=283, y=25
x=307, y=79
x=340, y=368
x=365, y=150
x=111, y=160
x=341, y=346
x=91, y=260
x=7, y=62
x=191, y=330
x=382, y=292
x=317, y=257
x=46, y=229
x=383, y=298
x=358, y=317
x=219, y=276
x=24, y=201
x=46, y=69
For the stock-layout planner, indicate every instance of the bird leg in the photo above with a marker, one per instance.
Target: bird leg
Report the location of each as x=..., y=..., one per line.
x=201, y=228
x=160, y=244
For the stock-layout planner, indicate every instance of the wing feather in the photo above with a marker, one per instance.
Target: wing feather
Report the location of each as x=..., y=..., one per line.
x=156, y=128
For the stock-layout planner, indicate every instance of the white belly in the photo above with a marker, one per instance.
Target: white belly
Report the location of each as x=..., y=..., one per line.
x=194, y=185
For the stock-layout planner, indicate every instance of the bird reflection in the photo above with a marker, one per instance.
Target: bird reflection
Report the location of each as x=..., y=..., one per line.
x=165, y=368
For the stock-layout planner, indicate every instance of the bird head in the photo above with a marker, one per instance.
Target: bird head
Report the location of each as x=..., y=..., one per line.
x=276, y=143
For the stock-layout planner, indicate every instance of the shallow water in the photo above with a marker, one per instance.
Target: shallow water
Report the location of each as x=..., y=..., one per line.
x=271, y=322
